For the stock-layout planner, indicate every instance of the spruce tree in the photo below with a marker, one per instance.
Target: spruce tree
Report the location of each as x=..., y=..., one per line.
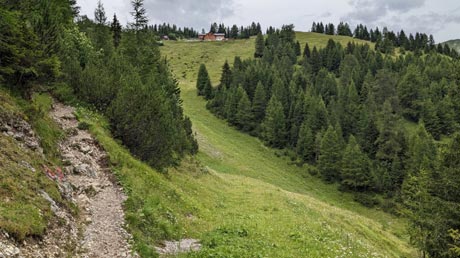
x=244, y=117
x=390, y=144
x=410, y=92
x=203, y=83
x=139, y=14
x=99, y=14
x=274, y=125
x=305, y=146
x=259, y=103
x=115, y=27
x=422, y=152
x=226, y=78
x=306, y=51
x=330, y=156
x=297, y=49
x=260, y=46
x=356, y=173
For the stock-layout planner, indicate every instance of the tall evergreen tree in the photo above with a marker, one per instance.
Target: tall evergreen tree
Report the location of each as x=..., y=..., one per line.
x=306, y=51
x=259, y=103
x=244, y=116
x=115, y=27
x=305, y=146
x=330, y=156
x=139, y=14
x=226, y=78
x=356, y=172
x=99, y=14
x=260, y=46
x=390, y=149
x=274, y=125
x=203, y=83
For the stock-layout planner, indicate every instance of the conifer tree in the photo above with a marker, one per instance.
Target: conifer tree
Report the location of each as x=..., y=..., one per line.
x=315, y=61
x=260, y=46
x=410, y=92
x=306, y=51
x=244, y=117
x=422, y=152
x=231, y=103
x=356, y=173
x=274, y=125
x=330, y=156
x=281, y=92
x=390, y=145
x=305, y=146
x=115, y=27
x=203, y=83
x=226, y=78
x=99, y=14
x=297, y=49
x=139, y=14
x=259, y=103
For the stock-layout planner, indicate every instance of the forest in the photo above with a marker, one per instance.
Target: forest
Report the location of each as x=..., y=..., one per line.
x=383, y=126
x=118, y=71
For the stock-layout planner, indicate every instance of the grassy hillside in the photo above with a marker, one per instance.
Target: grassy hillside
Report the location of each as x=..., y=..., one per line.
x=23, y=210
x=455, y=44
x=254, y=203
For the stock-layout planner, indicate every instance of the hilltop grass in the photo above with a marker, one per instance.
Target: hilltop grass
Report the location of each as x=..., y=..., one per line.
x=23, y=212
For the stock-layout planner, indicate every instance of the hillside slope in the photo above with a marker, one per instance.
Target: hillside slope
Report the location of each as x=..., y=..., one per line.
x=280, y=209
x=455, y=44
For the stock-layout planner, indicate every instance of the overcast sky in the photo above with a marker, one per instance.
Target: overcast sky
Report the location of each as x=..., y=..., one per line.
x=438, y=17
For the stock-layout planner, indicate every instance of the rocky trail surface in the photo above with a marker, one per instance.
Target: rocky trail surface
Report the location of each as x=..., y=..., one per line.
x=95, y=192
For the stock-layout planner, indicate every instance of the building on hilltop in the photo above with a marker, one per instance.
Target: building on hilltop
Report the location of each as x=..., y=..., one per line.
x=212, y=36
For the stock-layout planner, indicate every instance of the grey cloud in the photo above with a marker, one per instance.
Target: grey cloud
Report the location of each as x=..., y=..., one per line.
x=403, y=6
x=189, y=12
x=370, y=11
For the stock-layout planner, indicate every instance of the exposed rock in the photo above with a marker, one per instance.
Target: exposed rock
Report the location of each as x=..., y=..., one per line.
x=54, y=207
x=7, y=250
x=176, y=247
x=27, y=165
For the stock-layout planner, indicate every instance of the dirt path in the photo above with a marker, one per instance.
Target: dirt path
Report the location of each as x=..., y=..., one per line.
x=99, y=198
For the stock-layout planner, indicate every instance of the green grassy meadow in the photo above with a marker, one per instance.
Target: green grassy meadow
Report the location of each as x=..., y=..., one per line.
x=255, y=204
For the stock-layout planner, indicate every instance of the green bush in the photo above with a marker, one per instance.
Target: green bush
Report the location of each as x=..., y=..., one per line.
x=366, y=199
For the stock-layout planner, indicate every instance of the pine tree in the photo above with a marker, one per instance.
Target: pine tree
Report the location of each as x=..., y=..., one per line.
x=99, y=14
x=226, y=78
x=115, y=27
x=203, y=83
x=305, y=146
x=356, y=173
x=244, y=117
x=306, y=51
x=418, y=206
x=139, y=14
x=330, y=156
x=315, y=61
x=259, y=103
x=390, y=144
x=274, y=125
x=260, y=46
x=281, y=92
x=297, y=49
x=430, y=119
x=410, y=92
x=422, y=152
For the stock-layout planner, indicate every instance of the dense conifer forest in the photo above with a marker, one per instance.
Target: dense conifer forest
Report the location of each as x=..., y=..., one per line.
x=119, y=71
x=378, y=125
